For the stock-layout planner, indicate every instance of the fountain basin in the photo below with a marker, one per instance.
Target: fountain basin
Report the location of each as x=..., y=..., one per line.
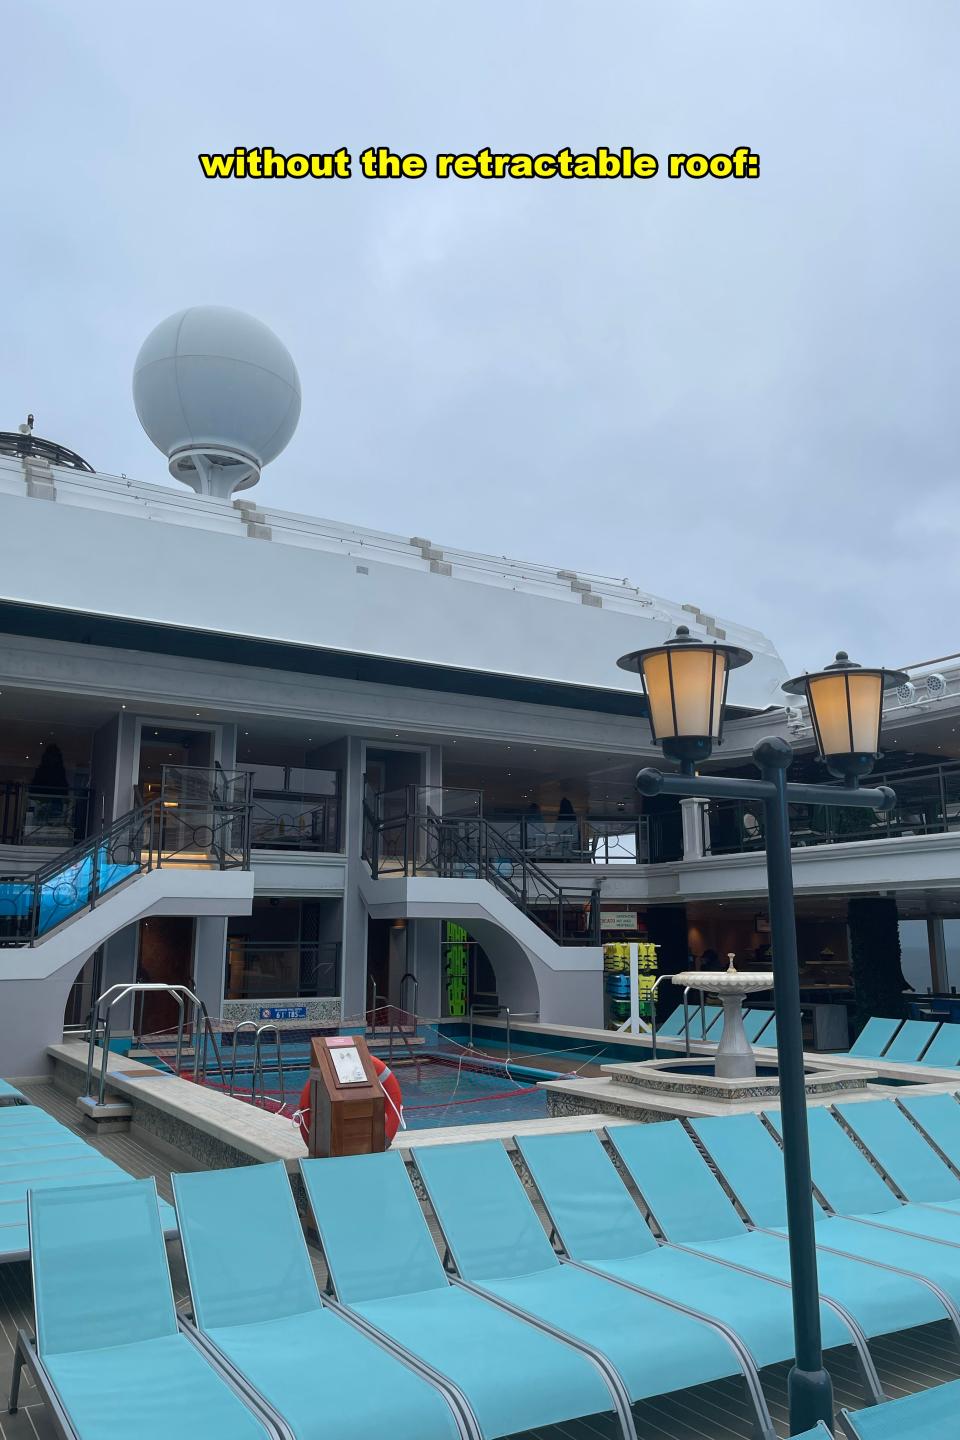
x=735, y=1059
x=689, y=1077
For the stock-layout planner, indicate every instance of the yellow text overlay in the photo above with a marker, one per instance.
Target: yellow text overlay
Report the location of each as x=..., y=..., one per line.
x=379, y=162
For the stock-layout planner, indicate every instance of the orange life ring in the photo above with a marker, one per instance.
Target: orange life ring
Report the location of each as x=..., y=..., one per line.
x=392, y=1110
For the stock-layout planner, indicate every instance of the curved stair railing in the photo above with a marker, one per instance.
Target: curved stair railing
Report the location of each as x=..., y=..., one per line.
x=422, y=842
x=209, y=831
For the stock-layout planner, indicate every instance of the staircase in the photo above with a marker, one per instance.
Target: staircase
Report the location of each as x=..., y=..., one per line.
x=427, y=844
x=209, y=834
x=542, y=938
x=186, y=851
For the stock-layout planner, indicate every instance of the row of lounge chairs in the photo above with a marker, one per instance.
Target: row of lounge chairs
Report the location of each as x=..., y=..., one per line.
x=37, y=1152
x=759, y=1025
x=635, y=1299
x=905, y=1042
x=908, y=1042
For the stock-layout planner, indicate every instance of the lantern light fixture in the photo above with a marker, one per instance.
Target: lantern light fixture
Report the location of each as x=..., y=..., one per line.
x=846, y=702
x=685, y=684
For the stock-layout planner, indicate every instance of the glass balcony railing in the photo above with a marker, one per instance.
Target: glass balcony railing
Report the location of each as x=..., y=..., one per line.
x=280, y=820
x=200, y=819
x=928, y=803
x=36, y=815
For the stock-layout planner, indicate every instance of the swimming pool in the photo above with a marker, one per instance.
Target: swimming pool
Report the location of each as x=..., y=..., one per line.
x=443, y=1080
x=441, y=1093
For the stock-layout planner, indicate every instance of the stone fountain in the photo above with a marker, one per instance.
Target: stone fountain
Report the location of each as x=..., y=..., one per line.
x=735, y=1059
x=701, y=1077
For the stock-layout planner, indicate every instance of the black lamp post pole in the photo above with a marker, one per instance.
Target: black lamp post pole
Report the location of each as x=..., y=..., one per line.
x=810, y=1388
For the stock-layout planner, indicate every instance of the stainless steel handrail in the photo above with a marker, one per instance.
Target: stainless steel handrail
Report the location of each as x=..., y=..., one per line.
x=243, y=1025
x=113, y=995
x=653, y=1012
x=496, y=1011
x=258, y=1063
x=686, y=1019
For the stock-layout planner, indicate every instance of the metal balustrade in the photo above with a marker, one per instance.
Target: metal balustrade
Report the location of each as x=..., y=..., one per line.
x=424, y=843
x=928, y=803
x=185, y=825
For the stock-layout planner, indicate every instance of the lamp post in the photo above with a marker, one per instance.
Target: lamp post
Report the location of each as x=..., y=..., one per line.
x=685, y=683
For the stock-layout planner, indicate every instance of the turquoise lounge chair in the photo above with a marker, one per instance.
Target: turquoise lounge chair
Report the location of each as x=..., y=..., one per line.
x=672, y=1027
x=384, y=1266
x=712, y=1021
x=768, y=1036
x=939, y=1118
x=109, y=1358
x=928, y=1415
x=601, y=1228
x=910, y=1041
x=692, y=1211
x=751, y=1163
x=320, y=1375
x=13, y=1116
x=865, y=1220
x=9, y=1095
x=37, y=1152
x=902, y=1153
x=944, y=1048
x=755, y=1022
x=500, y=1249
x=853, y=1188
x=873, y=1038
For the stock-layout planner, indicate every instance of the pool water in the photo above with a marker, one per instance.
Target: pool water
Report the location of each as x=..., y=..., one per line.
x=444, y=1094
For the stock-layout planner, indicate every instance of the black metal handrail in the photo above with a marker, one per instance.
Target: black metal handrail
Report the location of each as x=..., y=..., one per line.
x=928, y=803
x=582, y=839
x=428, y=844
x=157, y=834
x=281, y=820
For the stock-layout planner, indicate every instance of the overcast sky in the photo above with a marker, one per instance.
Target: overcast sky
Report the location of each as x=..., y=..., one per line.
x=739, y=394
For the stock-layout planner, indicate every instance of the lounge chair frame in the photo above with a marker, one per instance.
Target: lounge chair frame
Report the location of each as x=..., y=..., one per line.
x=763, y=1422
x=857, y=1337
x=951, y=1309
x=457, y=1402
x=26, y=1353
x=619, y=1398
x=463, y=1415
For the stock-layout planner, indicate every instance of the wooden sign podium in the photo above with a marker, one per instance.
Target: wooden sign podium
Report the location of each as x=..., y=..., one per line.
x=346, y=1098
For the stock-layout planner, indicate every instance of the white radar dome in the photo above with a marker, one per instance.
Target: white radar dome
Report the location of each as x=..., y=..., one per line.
x=219, y=394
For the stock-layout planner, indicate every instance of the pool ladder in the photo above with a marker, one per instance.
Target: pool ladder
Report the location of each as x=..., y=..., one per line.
x=256, y=1073
x=701, y=1006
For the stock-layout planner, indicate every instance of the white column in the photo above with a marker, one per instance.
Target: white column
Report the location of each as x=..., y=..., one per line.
x=695, y=827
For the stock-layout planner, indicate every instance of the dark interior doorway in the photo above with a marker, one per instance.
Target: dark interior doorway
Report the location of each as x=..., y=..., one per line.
x=161, y=746
x=165, y=957
x=390, y=773
x=386, y=962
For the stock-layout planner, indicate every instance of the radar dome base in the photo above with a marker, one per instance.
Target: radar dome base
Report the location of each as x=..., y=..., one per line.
x=215, y=473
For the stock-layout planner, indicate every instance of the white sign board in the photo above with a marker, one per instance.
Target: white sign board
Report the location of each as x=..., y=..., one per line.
x=618, y=920
x=348, y=1065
